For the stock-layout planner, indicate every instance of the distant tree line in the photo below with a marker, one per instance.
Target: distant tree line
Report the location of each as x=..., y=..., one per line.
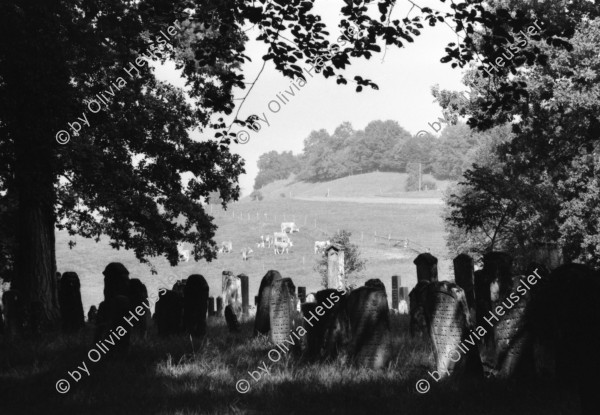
x=381, y=146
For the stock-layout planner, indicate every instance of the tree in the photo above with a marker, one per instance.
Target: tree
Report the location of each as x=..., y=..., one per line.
x=353, y=263
x=274, y=166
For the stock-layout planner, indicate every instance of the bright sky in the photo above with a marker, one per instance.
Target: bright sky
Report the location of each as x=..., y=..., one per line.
x=404, y=78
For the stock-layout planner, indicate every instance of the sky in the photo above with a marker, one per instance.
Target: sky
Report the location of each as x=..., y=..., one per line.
x=405, y=77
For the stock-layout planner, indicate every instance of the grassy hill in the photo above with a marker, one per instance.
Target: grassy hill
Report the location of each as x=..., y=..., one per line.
x=244, y=222
x=375, y=184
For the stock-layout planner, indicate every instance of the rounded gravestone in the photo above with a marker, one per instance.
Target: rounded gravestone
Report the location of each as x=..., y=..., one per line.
x=281, y=310
x=69, y=300
x=262, y=322
x=195, y=305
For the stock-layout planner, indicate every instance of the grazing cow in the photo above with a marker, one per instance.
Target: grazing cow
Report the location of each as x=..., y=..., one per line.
x=226, y=247
x=195, y=304
x=260, y=244
x=169, y=312
x=138, y=296
x=246, y=253
x=320, y=246
x=92, y=314
x=184, y=254
x=69, y=300
x=281, y=247
x=269, y=240
x=289, y=226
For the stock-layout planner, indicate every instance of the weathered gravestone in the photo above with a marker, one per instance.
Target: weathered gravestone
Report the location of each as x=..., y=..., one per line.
x=211, y=306
x=69, y=300
x=417, y=302
x=426, y=267
x=370, y=337
x=168, y=314
x=195, y=302
x=335, y=266
x=111, y=315
x=232, y=296
x=326, y=323
x=138, y=298
x=262, y=322
x=245, y=295
x=282, y=309
x=511, y=330
x=395, y=299
x=464, y=276
x=491, y=283
x=449, y=322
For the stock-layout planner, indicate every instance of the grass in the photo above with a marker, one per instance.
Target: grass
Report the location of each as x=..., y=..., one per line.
x=241, y=224
x=172, y=376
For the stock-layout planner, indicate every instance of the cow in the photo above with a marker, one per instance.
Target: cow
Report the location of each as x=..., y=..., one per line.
x=320, y=246
x=183, y=253
x=260, y=244
x=280, y=247
x=291, y=226
x=246, y=253
x=269, y=240
x=226, y=247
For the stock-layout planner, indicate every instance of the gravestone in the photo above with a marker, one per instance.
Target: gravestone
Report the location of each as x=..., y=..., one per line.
x=282, y=309
x=179, y=287
x=335, y=266
x=404, y=293
x=211, y=306
x=245, y=296
x=302, y=294
x=395, y=299
x=512, y=334
x=417, y=302
x=464, y=276
x=262, y=322
x=549, y=254
x=449, y=324
x=371, y=340
x=232, y=301
x=69, y=300
x=111, y=315
x=138, y=296
x=116, y=280
x=219, y=306
x=330, y=321
x=168, y=315
x=195, y=304
x=426, y=267
x=375, y=283
x=92, y=314
x=256, y=300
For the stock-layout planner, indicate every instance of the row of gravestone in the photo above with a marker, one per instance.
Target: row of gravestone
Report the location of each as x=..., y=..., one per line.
x=495, y=322
x=354, y=324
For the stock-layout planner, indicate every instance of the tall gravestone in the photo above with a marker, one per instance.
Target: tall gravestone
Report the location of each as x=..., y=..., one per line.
x=395, y=299
x=211, y=306
x=115, y=306
x=335, y=266
x=245, y=295
x=232, y=297
x=464, y=276
x=262, y=322
x=371, y=341
x=168, y=315
x=426, y=267
x=195, y=304
x=417, y=302
x=219, y=306
x=330, y=321
x=69, y=300
x=449, y=324
x=313, y=340
x=282, y=308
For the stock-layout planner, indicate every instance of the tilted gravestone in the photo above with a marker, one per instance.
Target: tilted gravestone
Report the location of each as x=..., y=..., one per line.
x=195, y=303
x=449, y=323
x=69, y=300
x=426, y=267
x=464, y=276
x=262, y=322
x=371, y=340
x=245, y=295
x=282, y=309
x=232, y=297
x=395, y=299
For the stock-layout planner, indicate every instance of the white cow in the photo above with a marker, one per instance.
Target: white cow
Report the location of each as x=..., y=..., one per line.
x=281, y=247
x=321, y=245
x=291, y=226
x=269, y=240
x=260, y=244
x=183, y=253
x=226, y=247
x=246, y=253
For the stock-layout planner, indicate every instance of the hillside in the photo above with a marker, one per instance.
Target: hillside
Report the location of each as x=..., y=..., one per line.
x=377, y=184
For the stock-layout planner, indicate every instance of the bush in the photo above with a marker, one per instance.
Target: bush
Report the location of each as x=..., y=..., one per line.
x=256, y=195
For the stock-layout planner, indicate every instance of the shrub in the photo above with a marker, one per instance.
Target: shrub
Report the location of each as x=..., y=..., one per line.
x=256, y=195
